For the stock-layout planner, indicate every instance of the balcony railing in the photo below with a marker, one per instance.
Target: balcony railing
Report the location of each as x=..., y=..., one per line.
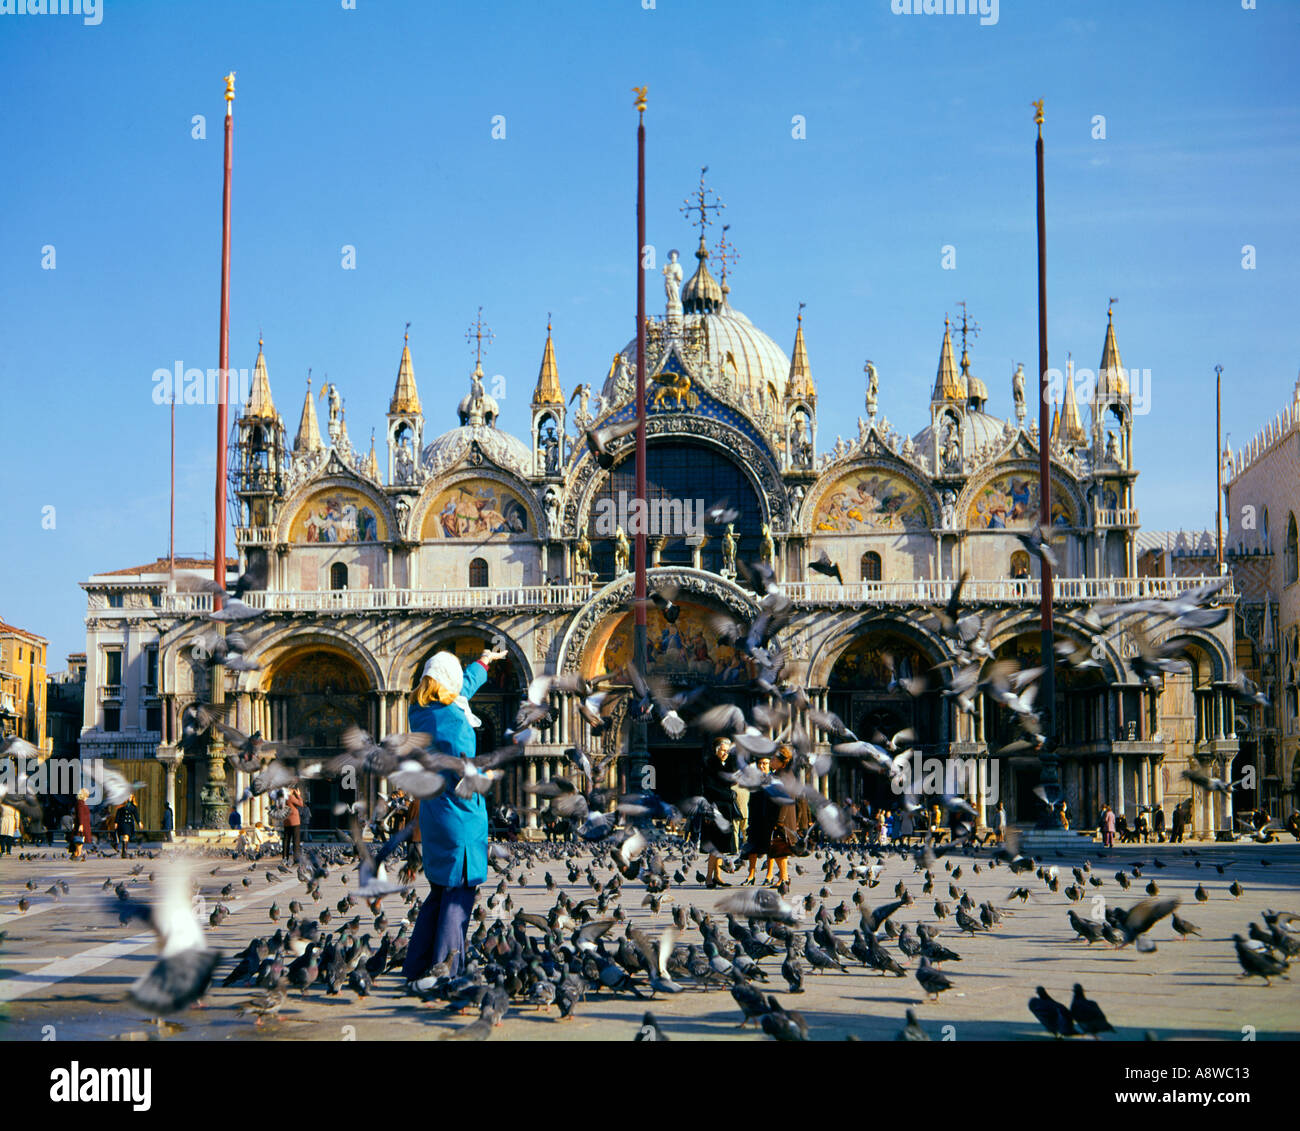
x=254, y=535
x=1125, y=516
x=1068, y=590
x=999, y=591
x=372, y=600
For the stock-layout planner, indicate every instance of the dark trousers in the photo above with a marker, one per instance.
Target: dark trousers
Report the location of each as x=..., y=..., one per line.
x=441, y=930
x=6, y=845
x=291, y=840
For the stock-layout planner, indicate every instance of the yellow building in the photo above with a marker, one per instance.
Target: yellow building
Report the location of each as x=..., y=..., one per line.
x=22, y=684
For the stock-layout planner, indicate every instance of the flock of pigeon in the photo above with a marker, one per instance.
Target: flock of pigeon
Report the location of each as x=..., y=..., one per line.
x=591, y=947
x=636, y=935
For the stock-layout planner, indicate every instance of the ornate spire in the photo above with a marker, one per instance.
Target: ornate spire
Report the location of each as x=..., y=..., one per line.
x=259, y=403
x=1111, y=380
x=406, y=397
x=947, y=385
x=548, y=389
x=308, y=438
x=701, y=295
x=1072, y=433
x=371, y=466
x=800, y=384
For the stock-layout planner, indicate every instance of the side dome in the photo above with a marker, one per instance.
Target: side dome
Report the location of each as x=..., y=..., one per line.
x=977, y=430
x=452, y=447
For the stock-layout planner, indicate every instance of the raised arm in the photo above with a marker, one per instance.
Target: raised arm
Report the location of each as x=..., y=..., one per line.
x=476, y=673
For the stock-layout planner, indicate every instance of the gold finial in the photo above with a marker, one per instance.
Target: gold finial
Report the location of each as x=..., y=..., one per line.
x=799, y=316
x=548, y=323
x=407, y=336
x=1110, y=307
x=640, y=92
x=230, y=87
x=1038, y=112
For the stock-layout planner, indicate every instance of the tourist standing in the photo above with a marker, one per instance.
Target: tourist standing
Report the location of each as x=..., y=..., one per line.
x=453, y=830
x=718, y=834
x=128, y=820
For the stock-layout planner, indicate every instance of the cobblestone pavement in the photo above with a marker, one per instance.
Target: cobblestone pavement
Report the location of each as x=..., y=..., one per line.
x=65, y=964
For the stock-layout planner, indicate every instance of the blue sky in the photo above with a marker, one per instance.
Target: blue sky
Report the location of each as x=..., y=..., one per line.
x=371, y=127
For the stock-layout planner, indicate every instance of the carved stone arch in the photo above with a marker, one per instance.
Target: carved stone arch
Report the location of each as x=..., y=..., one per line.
x=1061, y=478
x=832, y=644
x=755, y=461
x=615, y=597
x=401, y=671
x=884, y=463
x=292, y=636
x=1026, y=623
x=435, y=487
x=337, y=476
x=1221, y=664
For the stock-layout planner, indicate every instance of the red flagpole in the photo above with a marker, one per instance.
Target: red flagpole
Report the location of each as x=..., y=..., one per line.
x=223, y=379
x=1048, y=758
x=639, y=744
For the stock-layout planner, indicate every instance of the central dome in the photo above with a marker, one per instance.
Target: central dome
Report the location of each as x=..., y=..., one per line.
x=737, y=349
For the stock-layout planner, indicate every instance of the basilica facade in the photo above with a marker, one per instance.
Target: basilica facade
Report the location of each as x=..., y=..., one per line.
x=470, y=536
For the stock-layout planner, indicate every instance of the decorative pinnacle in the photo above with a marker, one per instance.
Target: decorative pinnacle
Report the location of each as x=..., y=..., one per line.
x=407, y=336
x=1038, y=115
x=799, y=316
x=702, y=204
x=1110, y=307
x=230, y=93
x=640, y=92
x=477, y=331
x=727, y=254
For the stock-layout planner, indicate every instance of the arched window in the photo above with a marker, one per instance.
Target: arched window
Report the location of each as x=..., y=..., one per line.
x=871, y=566
x=338, y=576
x=1292, y=551
x=1020, y=565
x=478, y=574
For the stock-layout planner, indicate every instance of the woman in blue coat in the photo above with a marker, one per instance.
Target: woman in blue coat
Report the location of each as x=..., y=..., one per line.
x=453, y=830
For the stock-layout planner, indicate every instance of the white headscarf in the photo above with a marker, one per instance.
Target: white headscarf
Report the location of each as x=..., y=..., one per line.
x=445, y=670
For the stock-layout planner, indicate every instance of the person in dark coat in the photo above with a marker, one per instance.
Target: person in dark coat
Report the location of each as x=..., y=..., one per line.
x=762, y=817
x=128, y=820
x=453, y=830
x=717, y=835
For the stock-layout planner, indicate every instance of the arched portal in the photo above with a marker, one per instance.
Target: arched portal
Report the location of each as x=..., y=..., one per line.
x=866, y=688
x=1082, y=728
x=682, y=654
x=316, y=693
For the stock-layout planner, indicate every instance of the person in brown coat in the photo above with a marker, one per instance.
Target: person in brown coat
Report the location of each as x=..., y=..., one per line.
x=80, y=825
x=785, y=832
x=292, y=834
